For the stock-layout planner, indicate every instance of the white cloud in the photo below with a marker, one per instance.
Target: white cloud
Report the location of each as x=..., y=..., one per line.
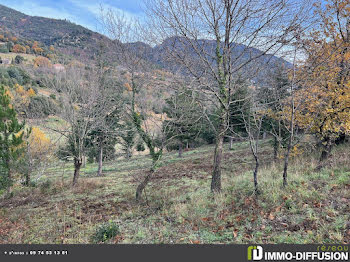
x=94, y=7
x=34, y=9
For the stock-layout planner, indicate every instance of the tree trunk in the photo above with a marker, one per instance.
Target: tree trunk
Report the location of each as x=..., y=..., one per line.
x=9, y=175
x=27, y=182
x=180, y=149
x=275, y=149
x=231, y=143
x=216, y=176
x=286, y=162
x=9, y=178
x=256, y=175
x=100, y=161
x=142, y=185
x=83, y=161
x=324, y=155
x=77, y=166
x=128, y=152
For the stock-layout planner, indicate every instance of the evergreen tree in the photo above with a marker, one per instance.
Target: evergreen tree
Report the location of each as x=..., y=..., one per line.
x=239, y=110
x=274, y=97
x=185, y=118
x=128, y=138
x=10, y=139
x=102, y=139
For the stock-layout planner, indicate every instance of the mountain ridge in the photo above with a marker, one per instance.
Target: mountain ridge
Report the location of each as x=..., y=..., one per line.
x=78, y=41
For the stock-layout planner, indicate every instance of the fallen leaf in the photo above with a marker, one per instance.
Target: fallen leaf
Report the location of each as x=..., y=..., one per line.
x=239, y=218
x=220, y=228
x=317, y=204
x=271, y=216
x=278, y=208
x=235, y=233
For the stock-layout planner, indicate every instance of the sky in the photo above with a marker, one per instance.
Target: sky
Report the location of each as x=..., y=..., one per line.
x=82, y=12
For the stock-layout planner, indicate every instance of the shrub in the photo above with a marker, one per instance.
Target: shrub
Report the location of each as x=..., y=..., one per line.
x=40, y=107
x=20, y=76
x=13, y=72
x=53, y=96
x=45, y=187
x=19, y=49
x=140, y=147
x=4, y=49
x=105, y=231
x=19, y=59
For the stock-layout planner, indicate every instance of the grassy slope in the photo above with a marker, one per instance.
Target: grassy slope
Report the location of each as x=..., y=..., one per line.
x=29, y=58
x=179, y=208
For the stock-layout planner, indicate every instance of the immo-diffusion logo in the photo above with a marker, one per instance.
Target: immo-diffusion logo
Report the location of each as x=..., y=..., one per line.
x=333, y=253
x=255, y=253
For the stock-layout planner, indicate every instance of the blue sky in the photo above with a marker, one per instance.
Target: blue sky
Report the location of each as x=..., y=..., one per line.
x=83, y=12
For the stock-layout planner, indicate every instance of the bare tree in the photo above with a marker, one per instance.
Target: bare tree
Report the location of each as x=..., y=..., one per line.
x=247, y=120
x=234, y=28
x=253, y=124
x=123, y=32
x=292, y=125
x=83, y=108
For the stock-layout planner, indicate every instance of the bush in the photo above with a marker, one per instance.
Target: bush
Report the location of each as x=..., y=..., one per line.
x=140, y=147
x=18, y=75
x=19, y=59
x=45, y=187
x=40, y=107
x=15, y=74
x=4, y=49
x=4, y=181
x=53, y=96
x=105, y=231
x=31, y=183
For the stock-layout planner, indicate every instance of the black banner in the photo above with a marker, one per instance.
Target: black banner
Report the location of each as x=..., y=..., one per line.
x=179, y=253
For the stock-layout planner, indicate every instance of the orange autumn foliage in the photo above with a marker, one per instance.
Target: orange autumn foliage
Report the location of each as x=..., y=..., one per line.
x=41, y=61
x=38, y=142
x=18, y=49
x=323, y=101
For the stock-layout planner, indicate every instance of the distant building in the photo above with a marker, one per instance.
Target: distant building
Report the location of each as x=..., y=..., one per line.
x=58, y=67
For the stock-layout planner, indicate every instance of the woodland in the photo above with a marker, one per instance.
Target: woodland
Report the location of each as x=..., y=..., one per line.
x=204, y=122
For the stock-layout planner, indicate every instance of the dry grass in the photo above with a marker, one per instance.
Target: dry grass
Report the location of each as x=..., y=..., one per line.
x=88, y=186
x=178, y=206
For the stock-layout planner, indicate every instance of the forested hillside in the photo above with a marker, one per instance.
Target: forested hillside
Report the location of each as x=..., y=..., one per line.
x=190, y=127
